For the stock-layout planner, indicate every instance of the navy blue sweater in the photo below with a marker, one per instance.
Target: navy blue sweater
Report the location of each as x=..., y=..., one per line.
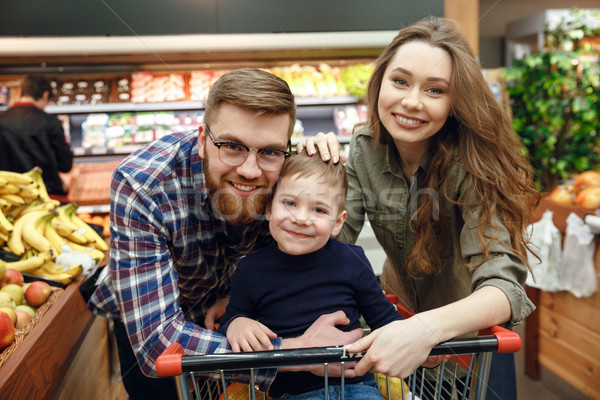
x=288, y=293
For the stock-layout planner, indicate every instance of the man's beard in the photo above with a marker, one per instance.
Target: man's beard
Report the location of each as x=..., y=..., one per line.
x=234, y=209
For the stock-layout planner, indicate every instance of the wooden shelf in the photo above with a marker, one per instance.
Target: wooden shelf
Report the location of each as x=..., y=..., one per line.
x=36, y=368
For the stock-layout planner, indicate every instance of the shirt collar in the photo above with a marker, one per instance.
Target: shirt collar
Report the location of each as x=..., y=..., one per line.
x=392, y=161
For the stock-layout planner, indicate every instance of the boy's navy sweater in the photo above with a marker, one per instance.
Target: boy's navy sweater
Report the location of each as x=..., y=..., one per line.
x=288, y=293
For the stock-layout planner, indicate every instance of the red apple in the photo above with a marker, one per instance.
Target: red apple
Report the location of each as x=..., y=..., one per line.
x=7, y=331
x=12, y=276
x=23, y=318
x=11, y=313
x=37, y=293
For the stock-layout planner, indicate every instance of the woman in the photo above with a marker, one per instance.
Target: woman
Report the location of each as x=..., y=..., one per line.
x=438, y=171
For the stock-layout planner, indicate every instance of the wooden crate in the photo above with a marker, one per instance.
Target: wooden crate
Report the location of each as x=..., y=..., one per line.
x=90, y=182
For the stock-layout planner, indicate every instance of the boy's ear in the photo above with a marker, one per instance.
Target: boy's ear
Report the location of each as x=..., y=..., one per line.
x=339, y=222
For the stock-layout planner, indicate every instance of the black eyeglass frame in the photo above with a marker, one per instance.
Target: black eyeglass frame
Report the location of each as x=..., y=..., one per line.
x=218, y=144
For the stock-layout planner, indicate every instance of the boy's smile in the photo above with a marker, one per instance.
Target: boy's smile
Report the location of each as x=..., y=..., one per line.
x=304, y=214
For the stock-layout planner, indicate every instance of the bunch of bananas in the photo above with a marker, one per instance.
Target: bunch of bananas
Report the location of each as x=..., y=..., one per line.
x=38, y=228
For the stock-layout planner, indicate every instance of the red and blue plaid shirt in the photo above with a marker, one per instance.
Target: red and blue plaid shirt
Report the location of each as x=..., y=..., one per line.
x=171, y=257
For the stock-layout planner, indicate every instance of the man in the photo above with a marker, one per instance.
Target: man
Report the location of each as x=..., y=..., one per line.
x=29, y=136
x=184, y=209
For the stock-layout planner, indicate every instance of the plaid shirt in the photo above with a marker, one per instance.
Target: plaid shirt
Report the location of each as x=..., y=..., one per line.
x=171, y=258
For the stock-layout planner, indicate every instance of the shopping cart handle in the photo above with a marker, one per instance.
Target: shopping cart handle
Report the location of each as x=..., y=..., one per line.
x=508, y=341
x=169, y=362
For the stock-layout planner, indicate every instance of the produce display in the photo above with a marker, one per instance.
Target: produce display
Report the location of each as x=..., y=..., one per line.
x=43, y=237
x=19, y=302
x=584, y=191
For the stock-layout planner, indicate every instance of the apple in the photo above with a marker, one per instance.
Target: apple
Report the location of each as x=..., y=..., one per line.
x=16, y=291
x=589, y=197
x=28, y=309
x=37, y=293
x=23, y=318
x=586, y=179
x=7, y=331
x=11, y=313
x=12, y=276
x=6, y=300
x=563, y=194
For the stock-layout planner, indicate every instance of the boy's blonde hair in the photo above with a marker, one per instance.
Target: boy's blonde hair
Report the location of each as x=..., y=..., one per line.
x=334, y=175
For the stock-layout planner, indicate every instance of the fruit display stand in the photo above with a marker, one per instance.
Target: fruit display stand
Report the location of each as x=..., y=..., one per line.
x=563, y=334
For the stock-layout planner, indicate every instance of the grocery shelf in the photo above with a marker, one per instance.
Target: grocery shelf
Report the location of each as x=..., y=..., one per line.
x=128, y=149
x=179, y=105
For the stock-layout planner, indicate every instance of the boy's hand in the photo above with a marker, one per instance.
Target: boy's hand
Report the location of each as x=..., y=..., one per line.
x=245, y=334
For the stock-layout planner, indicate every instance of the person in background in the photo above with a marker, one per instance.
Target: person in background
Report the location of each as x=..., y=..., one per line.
x=283, y=287
x=184, y=209
x=438, y=171
x=30, y=137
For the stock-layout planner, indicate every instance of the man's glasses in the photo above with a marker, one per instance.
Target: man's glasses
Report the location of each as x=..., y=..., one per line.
x=233, y=154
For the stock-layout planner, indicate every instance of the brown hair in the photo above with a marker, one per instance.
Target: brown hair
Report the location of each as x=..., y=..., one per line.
x=35, y=86
x=481, y=133
x=334, y=175
x=251, y=89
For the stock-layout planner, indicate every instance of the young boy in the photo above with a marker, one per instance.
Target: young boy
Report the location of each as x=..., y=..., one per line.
x=303, y=274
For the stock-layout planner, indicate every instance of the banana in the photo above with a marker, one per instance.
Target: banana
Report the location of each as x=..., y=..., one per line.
x=29, y=264
x=3, y=238
x=36, y=174
x=4, y=204
x=91, y=235
x=15, y=242
x=74, y=270
x=61, y=277
x=56, y=240
x=37, y=205
x=3, y=182
x=29, y=192
x=10, y=188
x=15, y=177
x=14, y=199
x=96, y=254
x=30, y=233
x=5, y=224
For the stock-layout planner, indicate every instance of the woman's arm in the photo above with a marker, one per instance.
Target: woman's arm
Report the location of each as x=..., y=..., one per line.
x=400, y=347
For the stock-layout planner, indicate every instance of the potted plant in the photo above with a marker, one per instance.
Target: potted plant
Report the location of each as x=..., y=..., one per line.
x=555, y=101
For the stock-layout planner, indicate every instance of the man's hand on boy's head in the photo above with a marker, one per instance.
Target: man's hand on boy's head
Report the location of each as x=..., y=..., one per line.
x=328, y=145
x=245, y=334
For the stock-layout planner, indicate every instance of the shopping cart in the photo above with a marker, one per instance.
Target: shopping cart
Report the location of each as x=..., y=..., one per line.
x=464, y=376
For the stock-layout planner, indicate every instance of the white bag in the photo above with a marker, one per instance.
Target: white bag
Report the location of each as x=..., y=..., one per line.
x=578, y=274
x=546, y=243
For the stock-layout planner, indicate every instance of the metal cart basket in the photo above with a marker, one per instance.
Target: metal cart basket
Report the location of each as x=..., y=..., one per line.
x=465, y=376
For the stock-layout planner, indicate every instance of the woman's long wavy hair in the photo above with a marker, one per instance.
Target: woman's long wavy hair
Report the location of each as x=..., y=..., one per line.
x=487, y=145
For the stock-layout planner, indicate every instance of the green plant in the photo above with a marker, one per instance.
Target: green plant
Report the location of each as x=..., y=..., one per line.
x=555, y=100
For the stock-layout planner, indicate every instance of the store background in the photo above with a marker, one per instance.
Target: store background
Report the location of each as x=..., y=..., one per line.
x=72, y=37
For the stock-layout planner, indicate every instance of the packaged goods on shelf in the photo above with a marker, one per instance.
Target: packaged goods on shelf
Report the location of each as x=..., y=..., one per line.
x=93, y=130
x=346, y=117
x=200, y=82
x=3, y=95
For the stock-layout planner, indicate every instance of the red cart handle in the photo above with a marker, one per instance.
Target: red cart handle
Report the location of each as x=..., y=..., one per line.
x=169, y=362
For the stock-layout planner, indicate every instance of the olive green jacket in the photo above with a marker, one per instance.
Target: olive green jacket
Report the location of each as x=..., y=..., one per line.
x=378, y=189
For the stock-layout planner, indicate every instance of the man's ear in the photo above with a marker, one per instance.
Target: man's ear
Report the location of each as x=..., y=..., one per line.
x=339, y=222
x=201, y=139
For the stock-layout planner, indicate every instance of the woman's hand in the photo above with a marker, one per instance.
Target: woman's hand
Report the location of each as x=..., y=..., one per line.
x=214, y=314
x=328, y=145
x=396, y=349
x=245, y=334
